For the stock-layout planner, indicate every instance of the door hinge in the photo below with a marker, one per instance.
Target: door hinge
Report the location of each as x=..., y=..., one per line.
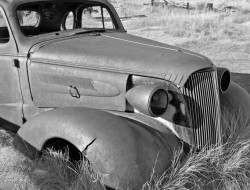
x=16, y=63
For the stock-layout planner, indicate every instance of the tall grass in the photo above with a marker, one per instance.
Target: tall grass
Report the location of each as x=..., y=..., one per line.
x=224, y=167
x=52, y=171
x=12, y=165
x=194, y=24
x=55, y=171
x=198, y=24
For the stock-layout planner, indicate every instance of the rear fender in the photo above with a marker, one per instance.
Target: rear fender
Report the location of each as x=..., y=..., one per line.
x=123, y=150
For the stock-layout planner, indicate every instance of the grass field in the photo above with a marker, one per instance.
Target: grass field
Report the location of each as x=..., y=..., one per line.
x=222, y=36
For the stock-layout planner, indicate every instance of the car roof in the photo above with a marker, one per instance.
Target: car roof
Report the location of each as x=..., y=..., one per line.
x=14, y=3
x=11, y=5
x=24, y=44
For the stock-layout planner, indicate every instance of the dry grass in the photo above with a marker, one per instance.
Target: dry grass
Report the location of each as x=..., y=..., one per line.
x=194, y=25
x=52, y=171
x=55, y=171
x=226, y=167
x=12, y=165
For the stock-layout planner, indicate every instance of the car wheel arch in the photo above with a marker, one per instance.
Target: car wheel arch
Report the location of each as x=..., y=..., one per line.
x=64, y=146
x=115, y=145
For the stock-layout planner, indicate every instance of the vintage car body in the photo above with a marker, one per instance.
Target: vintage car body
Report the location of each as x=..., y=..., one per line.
x=123, y=102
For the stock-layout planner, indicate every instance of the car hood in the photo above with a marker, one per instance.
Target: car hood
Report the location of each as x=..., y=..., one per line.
x=121, y=52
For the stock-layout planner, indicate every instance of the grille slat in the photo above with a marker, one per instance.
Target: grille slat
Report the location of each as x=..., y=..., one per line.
x=212, y=103
x=203, y=102
x=209, y=106
x=199, y=119
x=195, y=118
x=202, y=98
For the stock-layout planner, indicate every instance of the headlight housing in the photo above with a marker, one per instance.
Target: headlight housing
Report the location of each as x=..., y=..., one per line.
x=149, y=99
x=223, y=79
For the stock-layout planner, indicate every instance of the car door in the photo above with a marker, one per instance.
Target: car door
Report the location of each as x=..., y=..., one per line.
x=10, y=92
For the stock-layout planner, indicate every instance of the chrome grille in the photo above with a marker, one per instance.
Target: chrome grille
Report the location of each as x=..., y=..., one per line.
x=202, y=97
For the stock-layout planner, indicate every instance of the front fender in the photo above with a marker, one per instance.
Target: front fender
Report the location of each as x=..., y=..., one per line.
x=235, y=104
x=123, y=150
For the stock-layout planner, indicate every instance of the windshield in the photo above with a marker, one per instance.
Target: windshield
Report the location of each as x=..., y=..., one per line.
x=45, y=17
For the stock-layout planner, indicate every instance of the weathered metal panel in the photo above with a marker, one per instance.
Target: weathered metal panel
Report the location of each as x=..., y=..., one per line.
x=10, y=94
x=61, y=86
x=123, y=53
x=123, y=150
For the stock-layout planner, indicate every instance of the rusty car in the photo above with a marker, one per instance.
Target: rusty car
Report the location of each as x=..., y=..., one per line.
x=72, y=77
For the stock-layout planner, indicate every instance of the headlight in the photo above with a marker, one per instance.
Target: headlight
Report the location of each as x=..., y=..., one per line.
x=151, y=100
x=159, y=102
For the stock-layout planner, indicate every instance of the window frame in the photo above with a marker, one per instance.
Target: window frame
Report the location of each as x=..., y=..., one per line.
x=6, y=25
x=83, y=6
x=11, y=45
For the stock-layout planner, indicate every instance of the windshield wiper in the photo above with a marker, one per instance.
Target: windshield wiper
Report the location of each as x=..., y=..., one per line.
x=89, y=31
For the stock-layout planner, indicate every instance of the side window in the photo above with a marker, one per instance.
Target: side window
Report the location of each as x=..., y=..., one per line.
x=28, y=18
x=29, y=21
x=91, y=17
x=96, y=17
x=68, y=21
x=4, y=33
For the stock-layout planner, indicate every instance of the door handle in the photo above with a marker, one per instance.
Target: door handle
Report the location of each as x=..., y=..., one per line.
x=74, y=92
